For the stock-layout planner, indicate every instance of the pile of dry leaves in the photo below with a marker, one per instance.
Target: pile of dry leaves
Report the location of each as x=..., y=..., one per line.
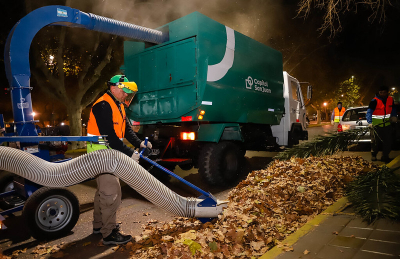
x=263, y=209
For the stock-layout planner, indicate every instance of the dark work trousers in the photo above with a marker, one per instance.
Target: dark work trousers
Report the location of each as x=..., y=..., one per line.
x=381, y=139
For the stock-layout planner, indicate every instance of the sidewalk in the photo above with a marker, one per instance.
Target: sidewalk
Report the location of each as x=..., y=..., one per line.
x=338, y=233
x=314, y=124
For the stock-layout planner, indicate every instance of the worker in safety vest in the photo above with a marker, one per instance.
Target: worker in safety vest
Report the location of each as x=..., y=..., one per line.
x=108, y=117
x=380, y=114
x=337, y=115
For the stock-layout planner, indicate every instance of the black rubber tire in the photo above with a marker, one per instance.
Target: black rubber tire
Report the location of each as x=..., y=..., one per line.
x=186, y=167
x=51, y=213
x=6, y=181
x=220, y=163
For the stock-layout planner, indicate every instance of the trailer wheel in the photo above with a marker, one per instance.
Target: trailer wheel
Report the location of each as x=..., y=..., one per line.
x=220, y=163
x=51, y=212
x=6, y=185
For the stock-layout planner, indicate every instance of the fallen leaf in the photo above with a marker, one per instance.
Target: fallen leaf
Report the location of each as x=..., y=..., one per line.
x=306, y=252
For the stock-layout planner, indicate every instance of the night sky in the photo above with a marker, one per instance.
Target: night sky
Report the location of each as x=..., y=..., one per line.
x=364, y=50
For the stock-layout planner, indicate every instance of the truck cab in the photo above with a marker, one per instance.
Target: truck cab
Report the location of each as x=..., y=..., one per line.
x=292, y=127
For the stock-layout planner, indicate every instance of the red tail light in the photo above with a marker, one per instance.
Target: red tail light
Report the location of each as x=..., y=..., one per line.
x=339, y=128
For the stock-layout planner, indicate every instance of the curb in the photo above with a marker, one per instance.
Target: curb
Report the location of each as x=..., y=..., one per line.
x=309, y=226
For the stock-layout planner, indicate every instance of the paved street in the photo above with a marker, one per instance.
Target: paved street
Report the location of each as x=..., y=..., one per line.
x=134, y=210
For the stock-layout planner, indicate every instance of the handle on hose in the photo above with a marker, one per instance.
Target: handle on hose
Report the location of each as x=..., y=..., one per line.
x=145, y=143
x=169, y=172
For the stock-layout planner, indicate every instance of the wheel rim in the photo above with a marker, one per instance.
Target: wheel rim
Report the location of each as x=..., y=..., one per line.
x=54, y=213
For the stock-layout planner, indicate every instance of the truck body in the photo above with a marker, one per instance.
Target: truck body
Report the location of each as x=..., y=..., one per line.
x=209, y=94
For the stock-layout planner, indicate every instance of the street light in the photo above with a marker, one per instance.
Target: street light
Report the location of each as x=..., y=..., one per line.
x=33, y=115
x=326, y=114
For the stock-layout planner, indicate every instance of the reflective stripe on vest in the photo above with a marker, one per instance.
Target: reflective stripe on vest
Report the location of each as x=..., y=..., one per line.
x=382, y=112
x=339, y=114
x=117, y=118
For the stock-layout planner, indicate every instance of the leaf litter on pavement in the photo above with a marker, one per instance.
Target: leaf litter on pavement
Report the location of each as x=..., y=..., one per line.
x=263, y=209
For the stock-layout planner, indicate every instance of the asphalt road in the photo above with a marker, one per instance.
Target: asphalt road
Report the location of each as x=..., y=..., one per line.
x=133, y=213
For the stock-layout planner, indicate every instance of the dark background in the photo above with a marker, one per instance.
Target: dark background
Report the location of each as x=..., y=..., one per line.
x=368, y=51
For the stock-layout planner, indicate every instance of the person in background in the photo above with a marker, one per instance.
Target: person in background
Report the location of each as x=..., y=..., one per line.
x=337, y=115
x=380, y=114
x=108, y=117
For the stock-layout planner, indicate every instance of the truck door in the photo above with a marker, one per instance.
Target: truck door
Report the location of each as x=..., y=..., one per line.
x=297, y=107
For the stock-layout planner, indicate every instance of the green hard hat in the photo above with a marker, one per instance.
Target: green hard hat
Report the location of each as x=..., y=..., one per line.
x=118, y=78
x=122, y=82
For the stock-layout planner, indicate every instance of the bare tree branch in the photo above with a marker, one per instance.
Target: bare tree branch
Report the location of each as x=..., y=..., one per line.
x=335, y=8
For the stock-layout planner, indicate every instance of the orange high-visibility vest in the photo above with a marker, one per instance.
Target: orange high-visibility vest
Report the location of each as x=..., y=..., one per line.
x=339, y=115
x=119, y=120
x=382, y=112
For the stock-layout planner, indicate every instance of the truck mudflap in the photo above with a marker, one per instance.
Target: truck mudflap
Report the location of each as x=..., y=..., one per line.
x=219, y=131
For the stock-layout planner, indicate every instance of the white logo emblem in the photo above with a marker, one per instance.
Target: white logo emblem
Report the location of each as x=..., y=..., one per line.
x=249, y=82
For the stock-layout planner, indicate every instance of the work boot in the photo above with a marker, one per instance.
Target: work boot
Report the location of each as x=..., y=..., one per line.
x=97, y=230
x=373, y=158
x=116, y=238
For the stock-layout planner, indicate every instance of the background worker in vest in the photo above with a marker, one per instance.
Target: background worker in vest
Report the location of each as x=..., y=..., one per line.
x=108, y=117
x=380, y=114
x=337, y=115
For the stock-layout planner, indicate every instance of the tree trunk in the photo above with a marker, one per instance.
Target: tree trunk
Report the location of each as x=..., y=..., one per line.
x=318, y=116
x=75, y=124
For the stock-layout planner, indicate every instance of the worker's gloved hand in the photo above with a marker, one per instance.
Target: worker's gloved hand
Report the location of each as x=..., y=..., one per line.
x=332, y=122
x=135, y=156
x=149, y=145
x=393, y=119
x=370, y=126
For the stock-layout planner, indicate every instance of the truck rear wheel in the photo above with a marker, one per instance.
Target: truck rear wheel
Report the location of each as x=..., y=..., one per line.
x=51, y=212
x=220, y=163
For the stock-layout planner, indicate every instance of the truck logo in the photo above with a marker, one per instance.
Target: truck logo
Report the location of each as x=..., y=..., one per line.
x=259, y=85
x=249, y=82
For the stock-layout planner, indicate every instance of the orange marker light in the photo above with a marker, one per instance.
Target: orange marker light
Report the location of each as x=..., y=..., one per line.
x=187, y=136
x=202, y=112
x=200, y=117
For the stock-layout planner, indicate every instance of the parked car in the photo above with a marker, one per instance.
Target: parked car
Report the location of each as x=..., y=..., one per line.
x=354, y=118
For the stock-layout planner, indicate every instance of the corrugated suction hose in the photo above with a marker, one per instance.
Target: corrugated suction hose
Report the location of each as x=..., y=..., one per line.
x=95, y=163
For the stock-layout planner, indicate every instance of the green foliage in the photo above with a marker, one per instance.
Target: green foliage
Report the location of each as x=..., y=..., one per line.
x=348, y=93
x=376, y=195
x=323, y=145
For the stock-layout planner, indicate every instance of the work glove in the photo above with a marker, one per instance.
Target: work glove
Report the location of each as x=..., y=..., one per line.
x=332, y=122
x=370, y=126
x=149, y=145
x=135, y=156
x=393, y=119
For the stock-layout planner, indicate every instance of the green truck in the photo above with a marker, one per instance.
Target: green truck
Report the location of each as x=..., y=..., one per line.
x=209, y=94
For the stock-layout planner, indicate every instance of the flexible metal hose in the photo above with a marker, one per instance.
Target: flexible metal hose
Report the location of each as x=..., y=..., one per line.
x=95, y=163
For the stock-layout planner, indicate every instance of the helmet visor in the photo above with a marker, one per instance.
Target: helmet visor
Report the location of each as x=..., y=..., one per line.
x=129, y=98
